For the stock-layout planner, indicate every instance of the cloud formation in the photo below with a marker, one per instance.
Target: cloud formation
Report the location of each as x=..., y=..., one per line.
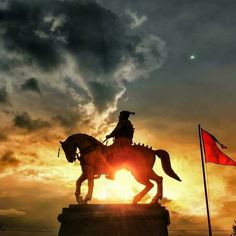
x=11, y=212
x=3, y=95
x=133, y=19
x=24, y=121
x=81, y=53
x=3, y=137
x=8, y=160
x=31, y=84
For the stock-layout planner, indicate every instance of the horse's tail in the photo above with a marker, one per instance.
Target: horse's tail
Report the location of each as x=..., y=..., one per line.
x=166, y=165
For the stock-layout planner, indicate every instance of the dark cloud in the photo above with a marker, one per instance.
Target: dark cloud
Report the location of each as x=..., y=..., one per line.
x=6, y=64
x=103, y=94
x=3, y=95
x=44, y=32
x=8, y=160
x=98, y=40
x=40, y=29
x=31, y=84
x=71, y=84
x=21, y=21
x=24, y=121
x=68, y=121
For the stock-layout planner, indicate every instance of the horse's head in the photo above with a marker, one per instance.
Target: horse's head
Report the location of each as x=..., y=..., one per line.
x=69, y=150
x=83, y=142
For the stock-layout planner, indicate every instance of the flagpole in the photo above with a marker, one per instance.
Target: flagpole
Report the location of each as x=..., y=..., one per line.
x=204, y=180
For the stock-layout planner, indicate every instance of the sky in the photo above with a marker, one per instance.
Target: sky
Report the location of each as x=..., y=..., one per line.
x=71, y=66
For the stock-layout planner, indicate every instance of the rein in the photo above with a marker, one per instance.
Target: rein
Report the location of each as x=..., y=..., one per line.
x=58, y=153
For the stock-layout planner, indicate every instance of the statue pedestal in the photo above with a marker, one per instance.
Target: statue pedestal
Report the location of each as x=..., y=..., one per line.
x=114, y=220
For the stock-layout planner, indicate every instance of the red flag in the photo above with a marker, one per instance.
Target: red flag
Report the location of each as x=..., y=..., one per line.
x=212, y=152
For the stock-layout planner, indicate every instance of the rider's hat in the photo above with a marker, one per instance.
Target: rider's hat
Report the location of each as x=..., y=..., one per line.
x=126, y=114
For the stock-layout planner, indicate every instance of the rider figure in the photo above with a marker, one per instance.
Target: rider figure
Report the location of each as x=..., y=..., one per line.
x=124, y=130
x=123, y=135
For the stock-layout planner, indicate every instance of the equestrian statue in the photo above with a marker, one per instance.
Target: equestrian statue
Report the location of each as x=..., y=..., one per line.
x=97, y=159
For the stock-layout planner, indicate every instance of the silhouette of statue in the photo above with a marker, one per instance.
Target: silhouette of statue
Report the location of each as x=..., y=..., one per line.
x=95, y=160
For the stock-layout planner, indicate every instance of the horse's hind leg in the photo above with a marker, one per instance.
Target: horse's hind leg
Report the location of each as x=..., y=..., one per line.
x=158, y=180
x=148, y=186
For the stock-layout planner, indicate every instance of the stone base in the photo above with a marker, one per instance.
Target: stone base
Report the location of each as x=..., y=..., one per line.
x=114, y=220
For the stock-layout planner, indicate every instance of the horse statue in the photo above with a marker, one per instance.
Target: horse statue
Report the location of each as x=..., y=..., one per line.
x=97, y=159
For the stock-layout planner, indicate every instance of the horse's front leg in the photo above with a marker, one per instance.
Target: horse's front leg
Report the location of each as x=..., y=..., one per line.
x=79, y=182
x=90, y=177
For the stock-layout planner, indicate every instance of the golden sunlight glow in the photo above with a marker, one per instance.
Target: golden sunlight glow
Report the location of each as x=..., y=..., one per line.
x=103, y=195
x=124, y=183
x=122, y=189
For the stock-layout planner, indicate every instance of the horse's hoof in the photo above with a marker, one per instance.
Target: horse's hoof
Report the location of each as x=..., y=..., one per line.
x=87, y=199
x=79, y=199
x=156, y=200
x=135, y=201
x=82, y=202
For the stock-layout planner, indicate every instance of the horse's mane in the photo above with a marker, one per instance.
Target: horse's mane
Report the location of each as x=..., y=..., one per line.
x=91, y=138
x=83, y=136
